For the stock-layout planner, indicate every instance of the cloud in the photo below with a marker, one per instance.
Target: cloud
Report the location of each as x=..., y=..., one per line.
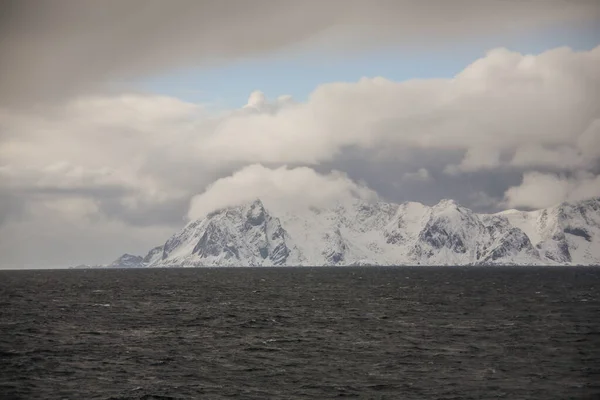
x=128, y=153
x=560, y=157
x=589, y=141
x=540, y=190
x=139, y=159
x=582, y=153
x=257, y=100
x=119, y=129
x=483, y=200
x=65, y=232
x=421, y=175
x=132, y=152
x=499, y=107
x=280, y=189
x=69, y=47
x=476, y=158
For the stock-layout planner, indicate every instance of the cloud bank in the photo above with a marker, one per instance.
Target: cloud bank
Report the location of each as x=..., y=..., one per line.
x=510, y=130
x=539, y=190
x=280, y=189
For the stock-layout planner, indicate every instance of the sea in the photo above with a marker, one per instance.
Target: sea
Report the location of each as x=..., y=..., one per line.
x=301, y=333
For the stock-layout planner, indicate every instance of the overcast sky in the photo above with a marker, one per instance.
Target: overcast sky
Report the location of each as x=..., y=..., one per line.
x=121, y=120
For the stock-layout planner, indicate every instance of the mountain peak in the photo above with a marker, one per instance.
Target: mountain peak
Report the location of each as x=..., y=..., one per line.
x=257, y=203
x=256, y=213
x=447, y=203
x=383, y=234
x=127, y=261
x=587, y=202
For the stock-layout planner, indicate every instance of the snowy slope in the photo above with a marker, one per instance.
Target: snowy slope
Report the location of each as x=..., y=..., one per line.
x=247, y=234
x=360, y=233
x=127, y=261
x=566, y=233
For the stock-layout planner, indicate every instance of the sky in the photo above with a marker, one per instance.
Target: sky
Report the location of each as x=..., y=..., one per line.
x=298, y=73
x=121, y=121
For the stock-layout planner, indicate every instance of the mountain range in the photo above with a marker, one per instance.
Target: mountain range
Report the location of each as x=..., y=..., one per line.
x=364, y=233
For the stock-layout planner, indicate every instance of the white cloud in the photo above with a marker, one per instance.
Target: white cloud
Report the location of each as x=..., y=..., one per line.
x=280, y=189
x=101, y=140
x=502, y=103
x=581, y=153
x=540, y=190
x=256, y=100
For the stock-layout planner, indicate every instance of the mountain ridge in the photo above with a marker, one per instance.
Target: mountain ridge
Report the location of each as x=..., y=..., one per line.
x=368, y=233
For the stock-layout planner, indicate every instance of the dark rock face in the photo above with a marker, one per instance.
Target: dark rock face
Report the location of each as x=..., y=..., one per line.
x=565, y=254
x=208, y=245
x=437, y=236
x=497, y=225
x=513, y=241
x=280, y=254
x=215, y=241
x=256, y=214
x=278, y=233
x=337, y=253
x=560, y=251
x=579, y=232
x=152, y=253
x=264, y=252
x=397, y=234
x=335, y=257
x=169, y=246
x=392, y=237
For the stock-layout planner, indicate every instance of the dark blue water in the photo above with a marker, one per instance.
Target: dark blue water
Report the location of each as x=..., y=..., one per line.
x=301, y=333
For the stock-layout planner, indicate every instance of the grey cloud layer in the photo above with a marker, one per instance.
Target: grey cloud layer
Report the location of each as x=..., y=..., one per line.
x=53, y=49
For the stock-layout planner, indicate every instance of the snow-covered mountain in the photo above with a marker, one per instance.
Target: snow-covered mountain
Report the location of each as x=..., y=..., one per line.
x=127, y=261
x=361, y=233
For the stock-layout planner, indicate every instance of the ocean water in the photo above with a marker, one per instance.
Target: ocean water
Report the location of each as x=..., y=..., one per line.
x=301, y=333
